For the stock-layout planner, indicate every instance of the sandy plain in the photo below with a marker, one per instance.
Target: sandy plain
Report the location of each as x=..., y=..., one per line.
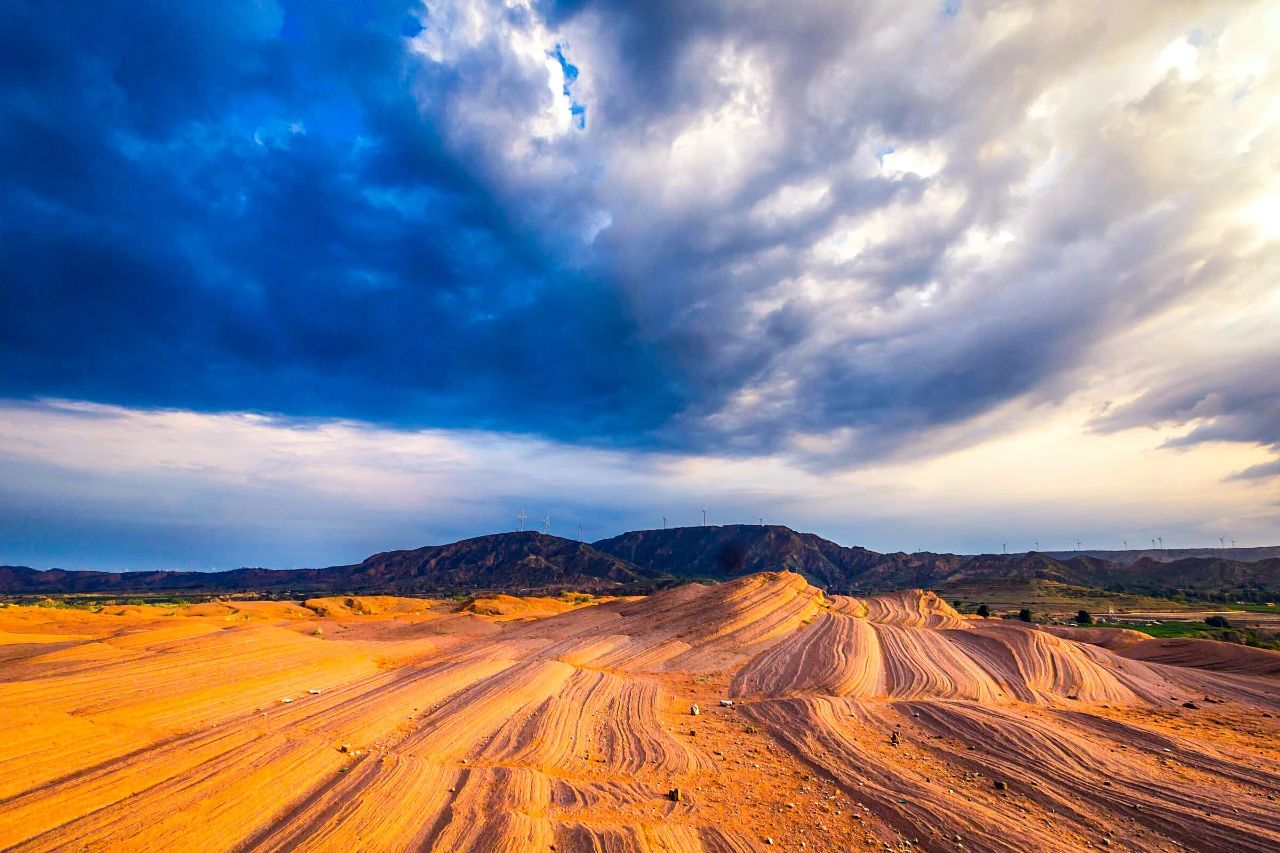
x=370, y=724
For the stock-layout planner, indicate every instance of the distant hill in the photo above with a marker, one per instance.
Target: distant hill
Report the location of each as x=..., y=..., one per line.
x=736, y=549
x=511, y=562
x=20, y=580
x=641, y=560
x=725, y=551
x=518, y=562
x=732, y=550
x=1169, y=555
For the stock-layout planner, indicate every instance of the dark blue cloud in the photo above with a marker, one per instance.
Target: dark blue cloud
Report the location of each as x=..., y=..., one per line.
x=579, y=219
x=244, y=206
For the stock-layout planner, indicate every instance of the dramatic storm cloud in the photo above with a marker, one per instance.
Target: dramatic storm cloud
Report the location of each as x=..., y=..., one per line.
x=821, y=241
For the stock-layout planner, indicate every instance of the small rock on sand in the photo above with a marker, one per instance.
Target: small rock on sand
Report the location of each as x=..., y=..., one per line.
x=694, y=710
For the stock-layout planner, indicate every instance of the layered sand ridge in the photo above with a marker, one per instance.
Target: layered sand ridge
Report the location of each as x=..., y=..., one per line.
x=498, y=724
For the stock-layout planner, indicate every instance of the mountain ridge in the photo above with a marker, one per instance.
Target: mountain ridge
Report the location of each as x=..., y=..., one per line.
x=639, y=561
x=508, y=562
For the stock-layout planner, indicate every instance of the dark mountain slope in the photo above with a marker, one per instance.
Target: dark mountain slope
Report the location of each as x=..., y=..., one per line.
x=529, y=562
x=20, y=580
x=1199, y=575
x=736, y=549
x=512, y=562
x=731, y=550
x=1168, y=555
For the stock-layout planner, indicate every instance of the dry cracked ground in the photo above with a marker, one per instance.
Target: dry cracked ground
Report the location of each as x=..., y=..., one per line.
x=394, y=724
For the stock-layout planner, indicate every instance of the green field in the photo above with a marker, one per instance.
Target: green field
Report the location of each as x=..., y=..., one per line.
x=1050, y=601
x=1049, y=597
x=1201, y=631
x=1170, y=629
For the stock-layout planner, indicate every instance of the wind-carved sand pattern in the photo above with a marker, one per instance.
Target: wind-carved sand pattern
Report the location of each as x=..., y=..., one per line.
x=523, y=725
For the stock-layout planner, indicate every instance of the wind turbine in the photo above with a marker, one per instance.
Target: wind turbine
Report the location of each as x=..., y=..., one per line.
x=1233, y=544
x=762, y=521
x=704, y=517
x=1077, y=544
x=579, y=531
x=1161, y=538
x=1153, y=543
x=664, y=522
x=1126, y=544
x=522, y=516
x=546, y=524
x=1004, y=548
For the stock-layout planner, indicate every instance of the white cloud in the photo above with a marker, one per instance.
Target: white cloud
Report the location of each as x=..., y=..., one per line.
x=278, y=492
x=836, y=223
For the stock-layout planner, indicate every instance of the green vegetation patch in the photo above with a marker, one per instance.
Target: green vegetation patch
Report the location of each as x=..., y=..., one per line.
x=1201, y=631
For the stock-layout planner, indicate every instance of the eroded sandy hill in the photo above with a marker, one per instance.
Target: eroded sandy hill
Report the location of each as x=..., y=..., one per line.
x=496, y=725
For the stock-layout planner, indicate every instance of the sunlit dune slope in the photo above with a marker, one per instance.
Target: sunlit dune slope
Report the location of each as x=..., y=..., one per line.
x=368, y=605
x=834, y=723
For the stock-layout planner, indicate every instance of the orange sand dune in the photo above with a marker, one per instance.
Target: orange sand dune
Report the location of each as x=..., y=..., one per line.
x=1114, y=639
x=1207, y=654
x=371, y=724
x=511, y=607
x=368, y=605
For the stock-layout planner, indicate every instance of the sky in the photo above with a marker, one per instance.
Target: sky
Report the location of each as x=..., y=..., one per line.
x=286, y=284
